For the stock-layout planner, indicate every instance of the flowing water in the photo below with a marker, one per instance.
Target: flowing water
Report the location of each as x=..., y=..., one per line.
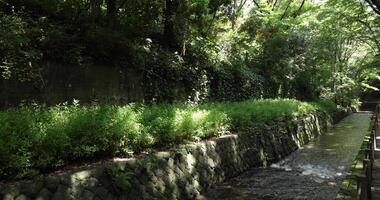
x=312, y=172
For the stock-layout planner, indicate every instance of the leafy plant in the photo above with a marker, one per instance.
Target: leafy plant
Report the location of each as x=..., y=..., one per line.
x=36, y=139
x=121, y=179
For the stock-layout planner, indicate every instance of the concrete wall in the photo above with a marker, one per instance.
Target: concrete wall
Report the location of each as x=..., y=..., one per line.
x=181, y=173
x=63, y=83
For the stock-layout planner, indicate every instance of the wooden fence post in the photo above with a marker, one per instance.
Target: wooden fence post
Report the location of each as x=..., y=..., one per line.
x=368, y=175
x=361, y=187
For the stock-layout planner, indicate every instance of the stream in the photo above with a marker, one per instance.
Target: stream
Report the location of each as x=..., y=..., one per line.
x=315, y=171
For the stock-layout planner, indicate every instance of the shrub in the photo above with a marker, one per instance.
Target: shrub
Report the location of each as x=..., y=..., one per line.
x=35, y=139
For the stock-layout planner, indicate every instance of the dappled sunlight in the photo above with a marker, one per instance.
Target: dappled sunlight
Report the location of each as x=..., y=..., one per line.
x=77, y=132
x=313, y=172
x=170, y=97
x=199, y=115
x=322, y=172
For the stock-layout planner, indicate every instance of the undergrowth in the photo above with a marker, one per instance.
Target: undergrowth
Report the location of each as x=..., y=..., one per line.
x=34, y=139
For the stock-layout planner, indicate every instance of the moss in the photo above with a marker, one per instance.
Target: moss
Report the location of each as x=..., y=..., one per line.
x=348, y=187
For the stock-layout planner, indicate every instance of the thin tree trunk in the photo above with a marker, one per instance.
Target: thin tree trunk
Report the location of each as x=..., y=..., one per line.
x=299, y=9
x=286, y=10
x=111, y=12
x=170, y=39
x=95, y=6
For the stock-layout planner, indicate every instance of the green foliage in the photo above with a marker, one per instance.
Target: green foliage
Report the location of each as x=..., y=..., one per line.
x=206, y=50
x=235, y=81
x=121, y=179
x=194, y=51
x=252, y=112
x=35, y=139
x=326, y=105
x=342, y=61
x=19, y=58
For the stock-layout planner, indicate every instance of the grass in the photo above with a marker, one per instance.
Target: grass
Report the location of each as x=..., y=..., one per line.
x=34, y=139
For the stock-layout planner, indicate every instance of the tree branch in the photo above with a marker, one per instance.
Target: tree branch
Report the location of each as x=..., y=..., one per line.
x=299, y=9
x=367, y=26
x=257, y=5
x=374, y=7
x=242, y=3
x=376, y=3
x=274, y=5
x=286, y=9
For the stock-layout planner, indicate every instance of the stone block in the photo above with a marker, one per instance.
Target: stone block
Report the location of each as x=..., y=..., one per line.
x=62, y=193
x=100, y=192
x=8, y=196
x=87, y=195
x=32, y=189
x=45, y=194
x=81, y=175
x=162, y=155
x=51, y=183
x=90, y=183
x=22, y=197
x=9, y=193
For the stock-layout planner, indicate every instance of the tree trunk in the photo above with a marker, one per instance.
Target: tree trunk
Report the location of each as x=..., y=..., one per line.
x=95, y=6
x=111, y=12
x=170, y=37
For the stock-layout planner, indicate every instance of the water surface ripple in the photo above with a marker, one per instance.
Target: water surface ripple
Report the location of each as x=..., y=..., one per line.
x=312, y=172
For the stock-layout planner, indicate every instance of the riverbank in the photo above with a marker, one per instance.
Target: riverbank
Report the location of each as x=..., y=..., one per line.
x=315, y=171
x=37, y=139
x=348, y=187
x=181, y=173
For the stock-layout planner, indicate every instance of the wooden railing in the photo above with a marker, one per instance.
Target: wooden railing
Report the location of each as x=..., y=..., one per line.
x=364, y=179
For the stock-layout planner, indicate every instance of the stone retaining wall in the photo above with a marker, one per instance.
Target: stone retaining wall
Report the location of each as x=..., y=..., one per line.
x=182, y=173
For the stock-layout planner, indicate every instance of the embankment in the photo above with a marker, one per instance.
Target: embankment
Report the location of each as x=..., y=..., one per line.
x=180, y=173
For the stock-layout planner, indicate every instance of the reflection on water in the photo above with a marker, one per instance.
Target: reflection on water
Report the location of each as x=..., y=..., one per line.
x=313, y=172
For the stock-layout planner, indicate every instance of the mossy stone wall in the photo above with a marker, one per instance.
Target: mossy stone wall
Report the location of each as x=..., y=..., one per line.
x=180, y=173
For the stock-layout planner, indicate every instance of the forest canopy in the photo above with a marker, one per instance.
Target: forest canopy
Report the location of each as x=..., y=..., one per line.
x=218, y=49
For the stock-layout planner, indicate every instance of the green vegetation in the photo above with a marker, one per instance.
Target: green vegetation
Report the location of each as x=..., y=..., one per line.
x=234, y=52
x=35, y=139
x=121, y=179
x=199, y=50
